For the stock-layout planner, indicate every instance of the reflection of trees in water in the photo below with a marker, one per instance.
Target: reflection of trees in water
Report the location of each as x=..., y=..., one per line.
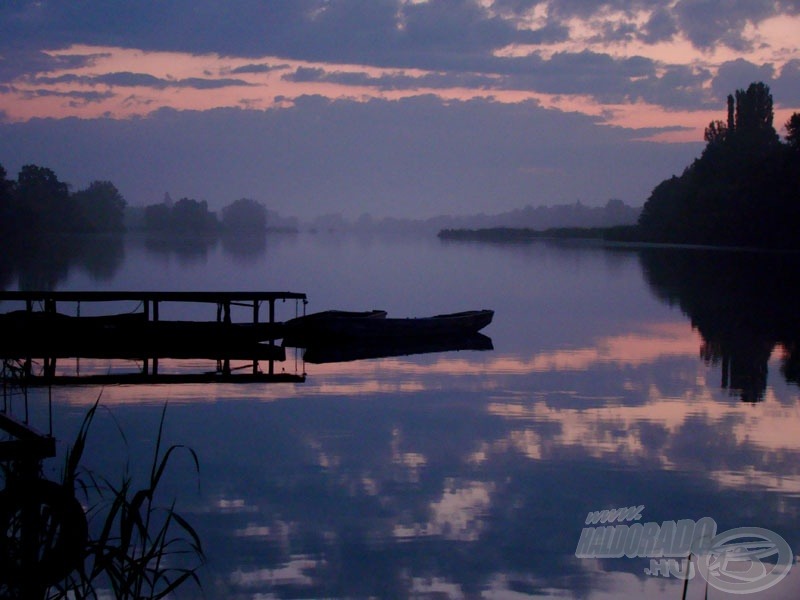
x=187, y=248
x=741, y=303
x=244, y=246
x=42, y=263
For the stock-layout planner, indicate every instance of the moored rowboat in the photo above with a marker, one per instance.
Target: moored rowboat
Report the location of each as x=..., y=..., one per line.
x=348, y=326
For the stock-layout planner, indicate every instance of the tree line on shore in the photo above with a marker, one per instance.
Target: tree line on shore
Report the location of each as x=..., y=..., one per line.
x=37, y=202
x=743, y=190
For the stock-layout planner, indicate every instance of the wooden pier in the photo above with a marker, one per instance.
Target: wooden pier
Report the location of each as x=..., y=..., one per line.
x=150, y=300
x=40, y=331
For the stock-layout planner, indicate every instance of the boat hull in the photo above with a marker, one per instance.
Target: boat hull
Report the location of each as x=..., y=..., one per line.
x=335, y=327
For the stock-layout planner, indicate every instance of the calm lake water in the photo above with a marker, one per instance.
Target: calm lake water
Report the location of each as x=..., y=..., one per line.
x=656, y=378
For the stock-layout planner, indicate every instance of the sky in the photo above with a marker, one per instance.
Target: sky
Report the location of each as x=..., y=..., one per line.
x=403, y=108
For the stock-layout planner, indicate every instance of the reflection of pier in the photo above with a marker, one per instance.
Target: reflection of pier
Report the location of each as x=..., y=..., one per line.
x=38, y=336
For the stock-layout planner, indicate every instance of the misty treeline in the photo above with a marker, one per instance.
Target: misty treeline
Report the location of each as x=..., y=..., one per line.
x=192, y=216
x=744, y=189
x=38, y=202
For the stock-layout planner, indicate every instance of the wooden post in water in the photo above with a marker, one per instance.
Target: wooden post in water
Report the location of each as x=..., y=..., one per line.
x=272, y=339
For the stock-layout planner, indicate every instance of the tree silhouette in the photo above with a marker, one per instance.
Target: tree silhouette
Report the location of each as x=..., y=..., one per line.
x=43, y=201
x=716, y=132
x=742, y=191
x=190, y=215
x=101, y=207
x=754, y=114
x=245, y=215
x=6, y=200
x=793, y=132
x=184, y=216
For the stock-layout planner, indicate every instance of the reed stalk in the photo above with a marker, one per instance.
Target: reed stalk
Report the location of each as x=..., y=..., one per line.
x=138, y=548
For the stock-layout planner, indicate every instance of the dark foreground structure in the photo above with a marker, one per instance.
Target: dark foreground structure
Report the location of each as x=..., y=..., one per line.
x=40, y=333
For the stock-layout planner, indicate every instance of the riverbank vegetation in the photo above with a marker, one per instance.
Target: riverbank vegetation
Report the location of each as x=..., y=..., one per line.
x=37, y=203
x=743, y=190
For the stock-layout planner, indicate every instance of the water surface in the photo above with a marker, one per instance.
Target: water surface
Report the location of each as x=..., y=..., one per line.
x=619, y=377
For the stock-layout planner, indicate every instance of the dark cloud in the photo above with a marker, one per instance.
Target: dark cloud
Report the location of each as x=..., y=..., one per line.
x=585, y=10
x=416, y=157
x=738, y=74
x=616, y=31
x=677, y=87
x=601, y=76
x=80, y=98
x=15, y=63
x=661, y=27
x=552, y=33
x=388, y=32
x=313, y=74
x=786, y=88
x=128, y=79
x=396, y=81
x=453, y=35
x=707, y=23
x=595, y=74
x=255, y=69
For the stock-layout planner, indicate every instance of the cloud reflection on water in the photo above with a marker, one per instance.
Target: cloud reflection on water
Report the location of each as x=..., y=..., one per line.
x=470, y=474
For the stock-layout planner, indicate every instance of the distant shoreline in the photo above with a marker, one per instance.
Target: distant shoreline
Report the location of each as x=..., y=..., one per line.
x=619, y=233
x=619, y=236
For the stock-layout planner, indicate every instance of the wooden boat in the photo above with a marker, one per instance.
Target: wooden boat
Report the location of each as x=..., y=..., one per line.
x=348, y=326
x=301, y=331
